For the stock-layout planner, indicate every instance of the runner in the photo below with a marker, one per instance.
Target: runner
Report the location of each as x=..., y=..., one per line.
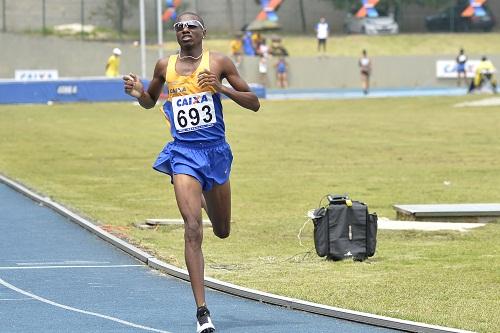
x=198, y=160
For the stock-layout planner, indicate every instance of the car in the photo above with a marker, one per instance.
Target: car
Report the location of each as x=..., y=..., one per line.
x=451, y=19
x=382, y=24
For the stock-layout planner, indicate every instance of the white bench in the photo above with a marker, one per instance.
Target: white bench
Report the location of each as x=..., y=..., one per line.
x=478, y=212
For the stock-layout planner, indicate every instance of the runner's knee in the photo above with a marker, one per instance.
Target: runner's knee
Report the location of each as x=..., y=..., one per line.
x=221, y=230
x=193, y=232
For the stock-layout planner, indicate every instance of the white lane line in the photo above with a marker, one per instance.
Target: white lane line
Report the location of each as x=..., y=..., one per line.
x=62, y=306
x=67, y=266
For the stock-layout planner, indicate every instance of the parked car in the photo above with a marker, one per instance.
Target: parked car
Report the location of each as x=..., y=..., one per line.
x=451, y=19
x=382, y=24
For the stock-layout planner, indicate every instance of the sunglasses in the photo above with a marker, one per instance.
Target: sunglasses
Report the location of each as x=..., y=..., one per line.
x=191, y=24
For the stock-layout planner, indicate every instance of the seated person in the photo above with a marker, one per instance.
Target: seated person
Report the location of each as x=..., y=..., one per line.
x=485, y=70
x=277, y=48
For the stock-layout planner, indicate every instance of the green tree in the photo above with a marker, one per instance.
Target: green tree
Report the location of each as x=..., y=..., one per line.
x=116, y=11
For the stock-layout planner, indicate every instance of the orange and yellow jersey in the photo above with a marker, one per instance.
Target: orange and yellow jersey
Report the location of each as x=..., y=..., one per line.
x=194, y=113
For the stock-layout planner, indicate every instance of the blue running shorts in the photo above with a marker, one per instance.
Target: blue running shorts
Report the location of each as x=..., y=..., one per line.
x=209, y=162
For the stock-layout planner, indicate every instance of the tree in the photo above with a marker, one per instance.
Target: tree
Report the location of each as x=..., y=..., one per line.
x=116, y=11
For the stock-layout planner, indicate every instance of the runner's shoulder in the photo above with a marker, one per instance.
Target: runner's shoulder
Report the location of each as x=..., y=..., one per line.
x=218, y=56
x=220, y=62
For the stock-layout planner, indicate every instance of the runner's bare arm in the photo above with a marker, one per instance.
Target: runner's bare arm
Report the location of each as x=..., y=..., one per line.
x=223, y=67
x=147, y=99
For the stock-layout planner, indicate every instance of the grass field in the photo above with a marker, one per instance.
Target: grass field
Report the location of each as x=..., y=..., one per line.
x=395, y=45
x=96, y=159
x=303, y=45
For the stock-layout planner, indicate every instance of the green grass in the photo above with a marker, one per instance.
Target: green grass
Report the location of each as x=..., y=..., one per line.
x=396, y=45
x=96, y=159
x=417, y=44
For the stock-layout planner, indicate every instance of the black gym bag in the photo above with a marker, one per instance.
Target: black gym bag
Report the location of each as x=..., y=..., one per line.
x=344, y=229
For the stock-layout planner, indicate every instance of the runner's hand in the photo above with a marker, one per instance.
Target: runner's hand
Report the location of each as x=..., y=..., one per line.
x=133, y=86
x=208, y=79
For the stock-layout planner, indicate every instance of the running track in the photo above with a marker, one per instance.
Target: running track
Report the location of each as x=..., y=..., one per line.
x=56, y=276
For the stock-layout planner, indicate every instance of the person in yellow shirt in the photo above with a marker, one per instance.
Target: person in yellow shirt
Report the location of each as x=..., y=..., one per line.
x=113, y=64
x=484, y=71
x=256, y=40
x=237, y=49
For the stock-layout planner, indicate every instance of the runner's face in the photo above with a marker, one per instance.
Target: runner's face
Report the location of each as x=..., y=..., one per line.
x=189, y=31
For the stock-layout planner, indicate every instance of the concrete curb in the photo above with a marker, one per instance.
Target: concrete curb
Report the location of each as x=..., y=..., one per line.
x=154, y=263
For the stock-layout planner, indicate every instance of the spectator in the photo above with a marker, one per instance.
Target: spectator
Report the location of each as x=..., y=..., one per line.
x=322, y=32
x=282, y=72
x=461, y=73
x=263, y=70
x=256, y=41
x=113, y=64
x=485, y=72
x=247, y=44
x=277, y=48
x=263, y=49
x=237, y=49
x=365, y=66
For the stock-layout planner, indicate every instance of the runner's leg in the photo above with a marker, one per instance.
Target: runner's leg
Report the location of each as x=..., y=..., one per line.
x=218, y=203
x=187, y=193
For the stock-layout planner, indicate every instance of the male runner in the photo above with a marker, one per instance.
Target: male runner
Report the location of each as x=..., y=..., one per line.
x=199, y=158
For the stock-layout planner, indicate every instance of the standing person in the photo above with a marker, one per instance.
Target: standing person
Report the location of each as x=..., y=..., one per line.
x=113, y=64
x=322, y=31
x=263, y=49
x=198, y=159
x=248, y=44
x=236, y=46
x=461, y=72
x=365, y=67
x=263, y=70
x=256, y=40
x=263, y=53
x=282, y=72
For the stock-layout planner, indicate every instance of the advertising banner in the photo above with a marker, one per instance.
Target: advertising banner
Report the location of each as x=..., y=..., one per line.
x=447, y=69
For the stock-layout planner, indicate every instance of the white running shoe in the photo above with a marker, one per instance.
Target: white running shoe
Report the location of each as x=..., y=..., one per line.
x=203, y=322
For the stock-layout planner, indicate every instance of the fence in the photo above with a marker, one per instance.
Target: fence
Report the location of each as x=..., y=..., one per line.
x=91, y=19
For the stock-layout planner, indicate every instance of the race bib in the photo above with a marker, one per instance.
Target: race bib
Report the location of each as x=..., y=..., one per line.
x=193, y=112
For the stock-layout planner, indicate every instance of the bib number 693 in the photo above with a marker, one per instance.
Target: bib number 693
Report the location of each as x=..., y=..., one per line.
x=193, y=112
x=192, y=116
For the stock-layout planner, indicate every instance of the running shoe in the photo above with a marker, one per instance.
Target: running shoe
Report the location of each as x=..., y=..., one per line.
x=204, y=323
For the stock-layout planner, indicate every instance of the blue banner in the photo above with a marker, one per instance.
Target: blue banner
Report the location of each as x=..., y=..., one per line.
x=71, y=90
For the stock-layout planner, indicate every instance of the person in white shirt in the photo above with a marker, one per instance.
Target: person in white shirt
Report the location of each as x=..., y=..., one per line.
x=365, y=67
x=322, y=32
x=461, y=69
